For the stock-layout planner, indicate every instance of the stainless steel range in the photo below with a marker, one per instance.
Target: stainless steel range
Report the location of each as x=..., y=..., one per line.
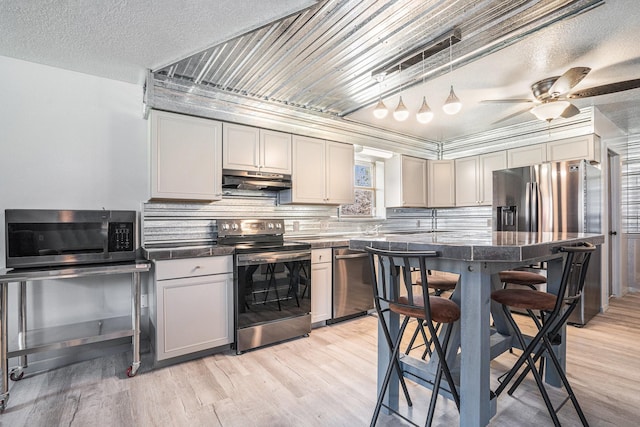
x=272, y=281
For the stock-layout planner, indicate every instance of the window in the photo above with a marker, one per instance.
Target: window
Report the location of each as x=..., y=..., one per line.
x=365, y=192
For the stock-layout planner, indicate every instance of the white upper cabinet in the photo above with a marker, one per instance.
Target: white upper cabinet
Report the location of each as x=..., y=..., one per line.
x=441, y=188
x=474, y=178
x=527, y=156
x=322, y=172
x=405, y=182
x=258, y=150
x=489, y=163
x=581, y=147
x=186, y=157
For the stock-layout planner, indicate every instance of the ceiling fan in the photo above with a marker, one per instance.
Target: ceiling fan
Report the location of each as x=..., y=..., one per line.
x=552, y=94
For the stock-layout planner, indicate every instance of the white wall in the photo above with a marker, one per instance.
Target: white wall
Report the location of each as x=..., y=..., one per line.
x=70, y=141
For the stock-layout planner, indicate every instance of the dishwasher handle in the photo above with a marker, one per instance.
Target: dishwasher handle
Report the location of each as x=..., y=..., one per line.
x=351, y=256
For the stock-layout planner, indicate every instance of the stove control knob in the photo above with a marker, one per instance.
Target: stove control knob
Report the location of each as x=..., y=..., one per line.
x=278, y=226
x=234, y=226
x=270, y=226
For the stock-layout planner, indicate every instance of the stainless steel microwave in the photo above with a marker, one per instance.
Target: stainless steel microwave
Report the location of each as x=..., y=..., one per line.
x=43, y=238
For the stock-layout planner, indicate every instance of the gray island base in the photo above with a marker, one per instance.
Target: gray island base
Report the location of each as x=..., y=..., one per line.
x=477, y=257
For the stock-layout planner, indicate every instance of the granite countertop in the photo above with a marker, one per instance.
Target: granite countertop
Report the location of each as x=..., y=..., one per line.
x=478, y=245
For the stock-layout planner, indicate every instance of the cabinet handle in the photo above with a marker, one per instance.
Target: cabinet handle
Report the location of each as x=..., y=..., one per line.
x=197, y=267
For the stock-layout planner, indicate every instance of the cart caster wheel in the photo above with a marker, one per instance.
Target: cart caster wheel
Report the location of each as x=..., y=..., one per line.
x=130, y=372
x=15, y=377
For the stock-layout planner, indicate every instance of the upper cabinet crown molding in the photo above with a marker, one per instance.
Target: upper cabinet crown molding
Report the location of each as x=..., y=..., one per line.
x=258, y=150
x=186, y=157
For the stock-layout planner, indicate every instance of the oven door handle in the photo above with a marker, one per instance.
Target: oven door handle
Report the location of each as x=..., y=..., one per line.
x=273, y=258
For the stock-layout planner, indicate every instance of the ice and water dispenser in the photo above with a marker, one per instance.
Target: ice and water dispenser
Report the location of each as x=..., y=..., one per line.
x=507, y=218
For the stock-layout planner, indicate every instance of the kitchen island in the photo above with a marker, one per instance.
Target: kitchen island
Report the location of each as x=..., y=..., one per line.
x=477, y=257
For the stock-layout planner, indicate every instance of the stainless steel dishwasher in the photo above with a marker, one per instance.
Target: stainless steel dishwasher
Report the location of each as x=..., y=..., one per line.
x=352, y=284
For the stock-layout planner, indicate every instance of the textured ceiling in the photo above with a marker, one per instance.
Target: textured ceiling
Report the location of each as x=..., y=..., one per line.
x=122, y=39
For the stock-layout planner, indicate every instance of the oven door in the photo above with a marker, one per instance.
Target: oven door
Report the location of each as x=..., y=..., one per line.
x=272, y=286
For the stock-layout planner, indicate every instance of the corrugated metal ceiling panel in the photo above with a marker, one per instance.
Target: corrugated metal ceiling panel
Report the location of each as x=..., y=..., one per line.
x=321, y=59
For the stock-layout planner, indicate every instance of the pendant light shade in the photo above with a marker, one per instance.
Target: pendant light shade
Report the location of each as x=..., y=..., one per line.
x=452, y=104
x=380, y=111
x=401, y=113
x=424, y=114
x=550, y=110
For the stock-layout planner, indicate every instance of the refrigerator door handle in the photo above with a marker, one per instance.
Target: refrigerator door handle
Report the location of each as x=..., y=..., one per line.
x=535, y=206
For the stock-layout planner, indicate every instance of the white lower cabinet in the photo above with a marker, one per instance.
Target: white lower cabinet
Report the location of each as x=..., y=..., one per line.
x=191, y=305
x=321, y=279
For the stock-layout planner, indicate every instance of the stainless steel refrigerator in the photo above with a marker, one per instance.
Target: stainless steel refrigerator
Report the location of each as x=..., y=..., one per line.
x=562, y=196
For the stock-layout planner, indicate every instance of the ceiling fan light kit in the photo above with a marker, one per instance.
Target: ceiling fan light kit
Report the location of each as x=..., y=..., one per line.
x=550, y=110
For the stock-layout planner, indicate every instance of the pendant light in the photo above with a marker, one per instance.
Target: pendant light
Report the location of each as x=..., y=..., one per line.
x=401, y=113
x=380, y=111
x=424, y=114
x=452, y=105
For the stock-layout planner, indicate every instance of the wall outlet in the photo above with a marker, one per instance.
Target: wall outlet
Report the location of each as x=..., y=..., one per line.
x=144, y=301
x=296, y=225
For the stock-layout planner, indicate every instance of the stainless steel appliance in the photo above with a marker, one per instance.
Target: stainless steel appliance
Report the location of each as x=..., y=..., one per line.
x=44, y=238
x=272, y=281
x=352, y=284
x=245, y=180
x=554, y=197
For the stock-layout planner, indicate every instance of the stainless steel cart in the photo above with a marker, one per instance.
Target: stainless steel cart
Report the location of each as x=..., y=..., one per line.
x=69, y=335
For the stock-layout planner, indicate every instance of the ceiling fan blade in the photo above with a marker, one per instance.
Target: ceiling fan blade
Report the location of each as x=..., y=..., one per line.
x=506, y=101
x=570, y=111
x=605, y=89
x=510, y=116
x=568, y=80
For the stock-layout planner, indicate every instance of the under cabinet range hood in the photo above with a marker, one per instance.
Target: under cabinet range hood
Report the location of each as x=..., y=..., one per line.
x=249, y=180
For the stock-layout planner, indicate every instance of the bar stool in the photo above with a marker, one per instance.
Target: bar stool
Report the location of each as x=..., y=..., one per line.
x=524, y=278
x=398, y=296
x=555, y=310
x=439, y=283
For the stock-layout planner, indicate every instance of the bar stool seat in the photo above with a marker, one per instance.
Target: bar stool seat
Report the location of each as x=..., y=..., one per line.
x=442, y=310
x=525, y=278
x=525, y=299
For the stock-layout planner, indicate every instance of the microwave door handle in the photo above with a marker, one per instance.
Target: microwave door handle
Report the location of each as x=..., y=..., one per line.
x=104, y=232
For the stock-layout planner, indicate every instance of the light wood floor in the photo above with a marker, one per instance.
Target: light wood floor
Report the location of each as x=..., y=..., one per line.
x=328, y=379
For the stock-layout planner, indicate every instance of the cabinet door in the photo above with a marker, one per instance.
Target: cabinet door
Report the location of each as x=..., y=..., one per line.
x=489, y=163
x=340, y=173
x=467, y=181
x=526, y=156
x=414, y=182
x=583, y=147
x=441, y=183
x=275, y=152
x=194, y=314
x=321, y=278
x=308, y=170
x=240, y=147
x=186, y=157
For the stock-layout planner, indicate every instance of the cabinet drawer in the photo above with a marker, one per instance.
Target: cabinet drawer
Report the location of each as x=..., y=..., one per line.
x=320, y=255
x=193, y=267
